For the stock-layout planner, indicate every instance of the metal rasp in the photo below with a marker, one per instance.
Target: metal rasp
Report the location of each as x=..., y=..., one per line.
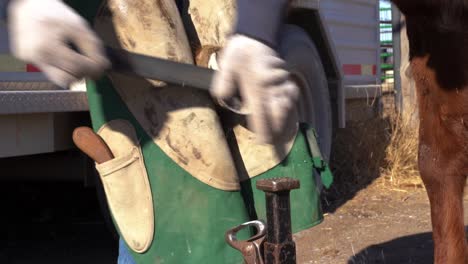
x=182, y=74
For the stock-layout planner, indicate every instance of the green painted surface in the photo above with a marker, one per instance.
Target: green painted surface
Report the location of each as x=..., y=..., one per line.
x=386, y=66
x=87, y=9
x=386, y=54
x=305, y=202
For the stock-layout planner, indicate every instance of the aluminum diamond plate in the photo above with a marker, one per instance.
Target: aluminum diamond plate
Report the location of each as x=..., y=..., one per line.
x=16, y=102
x=27, y=86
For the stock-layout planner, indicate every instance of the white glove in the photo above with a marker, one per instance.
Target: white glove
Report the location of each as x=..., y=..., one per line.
x=255, y=71
x=40, y=33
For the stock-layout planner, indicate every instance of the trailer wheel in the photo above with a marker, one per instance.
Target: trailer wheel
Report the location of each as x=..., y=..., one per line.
x=314, y=105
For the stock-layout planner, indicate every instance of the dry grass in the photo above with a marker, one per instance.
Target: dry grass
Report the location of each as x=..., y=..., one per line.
x=382, y=149
x=400, y=165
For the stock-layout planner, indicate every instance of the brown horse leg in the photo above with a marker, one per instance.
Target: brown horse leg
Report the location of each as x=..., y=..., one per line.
x=446, y=197
x=443, y=160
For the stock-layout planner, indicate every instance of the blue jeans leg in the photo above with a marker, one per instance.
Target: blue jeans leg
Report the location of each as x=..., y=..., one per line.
x=124, y=254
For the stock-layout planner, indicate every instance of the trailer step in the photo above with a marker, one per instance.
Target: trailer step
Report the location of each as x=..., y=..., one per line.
x=19, y=102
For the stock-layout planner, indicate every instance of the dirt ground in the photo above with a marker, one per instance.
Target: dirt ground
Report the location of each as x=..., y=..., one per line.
x=377, y=226
x=61, y=223
x=53, y=223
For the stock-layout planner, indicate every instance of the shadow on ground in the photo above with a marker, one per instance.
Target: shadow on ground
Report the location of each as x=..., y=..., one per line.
x=53, y=223
x=358, y=154
x=414, y=249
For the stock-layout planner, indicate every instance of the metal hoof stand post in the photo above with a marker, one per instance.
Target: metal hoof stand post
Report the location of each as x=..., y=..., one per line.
x=272, y=244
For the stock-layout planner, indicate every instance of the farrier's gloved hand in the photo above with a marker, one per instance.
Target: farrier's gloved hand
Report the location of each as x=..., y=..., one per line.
x=253, y=70
x=40, y=33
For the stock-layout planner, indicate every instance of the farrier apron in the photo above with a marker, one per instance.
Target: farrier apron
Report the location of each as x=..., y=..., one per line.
x=172, y=188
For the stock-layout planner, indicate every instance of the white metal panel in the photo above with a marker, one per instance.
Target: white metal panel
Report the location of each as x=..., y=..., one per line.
x=309, y=4
x=29, y=134
x=26, y=134
x=3, y=39
x=354, y=28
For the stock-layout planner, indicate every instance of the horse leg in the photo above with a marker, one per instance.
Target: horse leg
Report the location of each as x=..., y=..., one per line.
x=445, y=194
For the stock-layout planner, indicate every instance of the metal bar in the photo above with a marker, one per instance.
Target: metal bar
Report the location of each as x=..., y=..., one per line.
x=386, y=54
x=279, y=247
x=23, y=77
x=159, y=69
x=386, y=26
x=396, y=20
x=386, y=66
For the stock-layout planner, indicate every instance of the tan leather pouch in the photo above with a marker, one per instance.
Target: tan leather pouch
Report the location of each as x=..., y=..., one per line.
x=127, y=186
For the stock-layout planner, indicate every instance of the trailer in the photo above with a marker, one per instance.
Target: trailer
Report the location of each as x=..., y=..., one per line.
x=37, y=117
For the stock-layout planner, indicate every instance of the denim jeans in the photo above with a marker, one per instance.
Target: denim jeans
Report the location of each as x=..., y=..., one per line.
x=124, y=254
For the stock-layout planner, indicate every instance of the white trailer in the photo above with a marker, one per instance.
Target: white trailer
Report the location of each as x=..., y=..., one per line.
x=36, y=117
x=354, y=29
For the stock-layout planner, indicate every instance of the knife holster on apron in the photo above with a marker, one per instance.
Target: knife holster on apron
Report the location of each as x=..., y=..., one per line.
x=172, y=188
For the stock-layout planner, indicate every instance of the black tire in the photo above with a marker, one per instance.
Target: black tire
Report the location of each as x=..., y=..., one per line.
x=304, y=62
